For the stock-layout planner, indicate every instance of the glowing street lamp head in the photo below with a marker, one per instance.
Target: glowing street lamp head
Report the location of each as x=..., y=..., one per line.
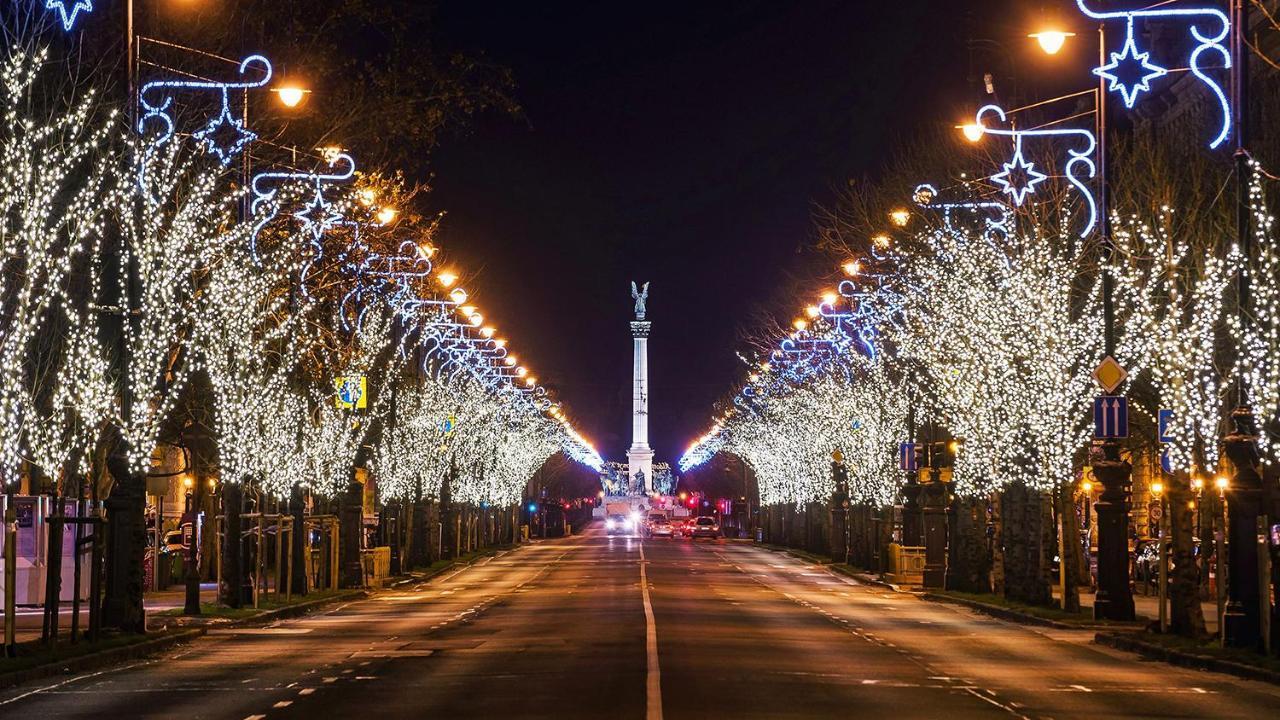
x=1157, y=488
x=851, y=268
x=291, y=96
x=387, y=215
x=812, y=311
x=900, y=217
x=882, y=241
x=458, y=295
x=487, y=333
x=800, y=324
x=447, y=279
x=1051, y=41
x=476, y=319
x=973, y=132
x=1222, y=482
x=426, y=251
x=829, y=298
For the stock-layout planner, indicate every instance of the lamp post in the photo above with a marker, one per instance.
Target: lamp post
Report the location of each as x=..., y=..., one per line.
x=1243, y=614
x=1162, y=591
x=1114, y=598
x=191, y=513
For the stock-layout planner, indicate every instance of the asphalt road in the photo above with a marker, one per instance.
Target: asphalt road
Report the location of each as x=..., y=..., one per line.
x=566, y=629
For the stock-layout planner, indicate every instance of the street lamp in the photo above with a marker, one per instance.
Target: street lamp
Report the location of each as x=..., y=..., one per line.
x=973, y=132
x=1051, y=41
x=900, y=217
x=291, y=96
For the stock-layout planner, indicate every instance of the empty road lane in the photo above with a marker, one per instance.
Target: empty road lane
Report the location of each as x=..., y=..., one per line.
x=565, y=629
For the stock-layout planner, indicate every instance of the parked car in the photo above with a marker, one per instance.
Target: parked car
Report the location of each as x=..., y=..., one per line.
x=707, y=527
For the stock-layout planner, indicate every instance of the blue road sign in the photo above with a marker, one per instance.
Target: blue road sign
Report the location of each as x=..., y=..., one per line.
x=1110, y=417
x=907, y=459
x=1165, y=420
x=1166, y=462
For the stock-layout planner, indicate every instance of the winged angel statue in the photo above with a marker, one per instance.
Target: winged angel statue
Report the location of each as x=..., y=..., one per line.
x=640, y=296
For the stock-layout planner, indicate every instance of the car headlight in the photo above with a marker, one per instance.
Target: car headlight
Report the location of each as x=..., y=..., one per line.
x=609, y=524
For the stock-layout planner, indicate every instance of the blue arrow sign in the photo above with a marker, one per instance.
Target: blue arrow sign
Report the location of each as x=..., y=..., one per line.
x=1166, y=461
x=1165, y=420
x=1110, y=417
x=907, y=457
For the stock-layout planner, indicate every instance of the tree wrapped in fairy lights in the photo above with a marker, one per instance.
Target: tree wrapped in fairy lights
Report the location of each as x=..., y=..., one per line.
x=56, y=190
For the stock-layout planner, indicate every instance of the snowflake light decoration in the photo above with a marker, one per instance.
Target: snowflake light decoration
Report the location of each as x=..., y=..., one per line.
x=224, y=136
x=1019, y=177
x=1130, y=72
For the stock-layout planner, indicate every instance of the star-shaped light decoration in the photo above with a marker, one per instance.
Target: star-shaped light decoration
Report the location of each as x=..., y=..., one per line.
x=68, y=10
x=1019, y=177
x=318, y=216
x=225, y=135
x=1130, y=72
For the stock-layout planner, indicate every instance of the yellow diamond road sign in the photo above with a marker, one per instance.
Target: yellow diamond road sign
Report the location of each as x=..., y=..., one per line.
x=1110, y=374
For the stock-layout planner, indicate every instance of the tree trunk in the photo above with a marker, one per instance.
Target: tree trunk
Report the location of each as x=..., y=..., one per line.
x=126, y=548
x=232, y=587
x=1186, y=615
x=1069, y=552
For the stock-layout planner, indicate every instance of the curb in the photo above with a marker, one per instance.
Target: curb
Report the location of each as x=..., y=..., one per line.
x=1131, y=643
x=867, y=579
x=1023, y=618
x=96, y=660
x=298, y=609
x=429, y=575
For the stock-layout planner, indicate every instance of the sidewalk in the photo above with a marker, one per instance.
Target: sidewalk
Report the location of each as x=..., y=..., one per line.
x=31, y=619
x=1148, y=607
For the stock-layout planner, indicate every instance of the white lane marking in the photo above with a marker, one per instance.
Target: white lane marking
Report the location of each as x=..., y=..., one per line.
x=1002, y=706
x=46, y=688
x=653, y=679
x=283, y=704
x=306, y=691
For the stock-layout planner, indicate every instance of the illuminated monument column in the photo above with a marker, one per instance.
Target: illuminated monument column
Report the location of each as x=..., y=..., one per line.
x=640, y=456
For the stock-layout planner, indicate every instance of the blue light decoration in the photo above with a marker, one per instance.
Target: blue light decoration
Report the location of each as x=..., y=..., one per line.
x=391, y=278
x=317, y=217
x=1131, y=70
x=69, y=10
x=1078, y=159
x=996, y=216
x=156, y=99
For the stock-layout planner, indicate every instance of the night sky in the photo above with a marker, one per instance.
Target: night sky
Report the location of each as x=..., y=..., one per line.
x=681, y=143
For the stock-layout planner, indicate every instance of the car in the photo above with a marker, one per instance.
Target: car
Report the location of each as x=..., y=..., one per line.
x=618, y=524
x=661, y=527
x=704, y=526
